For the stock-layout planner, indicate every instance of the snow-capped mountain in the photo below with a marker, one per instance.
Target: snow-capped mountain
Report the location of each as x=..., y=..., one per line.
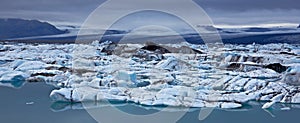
x=19, y=28
x=36, y=31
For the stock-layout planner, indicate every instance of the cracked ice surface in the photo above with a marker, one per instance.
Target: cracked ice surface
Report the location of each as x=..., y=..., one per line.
x=166, y=74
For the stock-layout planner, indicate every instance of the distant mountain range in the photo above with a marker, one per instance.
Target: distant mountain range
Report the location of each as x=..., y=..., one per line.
x=18, y=28
x=29, y=31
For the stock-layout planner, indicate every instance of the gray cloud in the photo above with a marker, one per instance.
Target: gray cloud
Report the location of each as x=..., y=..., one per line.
x=240, y=12
x=221, y=11
x=73, y=11
x=252, y=17
x=246, y=5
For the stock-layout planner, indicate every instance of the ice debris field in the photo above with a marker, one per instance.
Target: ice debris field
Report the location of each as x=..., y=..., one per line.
x=180, y=75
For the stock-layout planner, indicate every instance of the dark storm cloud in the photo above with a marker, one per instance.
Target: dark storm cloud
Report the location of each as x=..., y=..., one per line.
x=221, y=11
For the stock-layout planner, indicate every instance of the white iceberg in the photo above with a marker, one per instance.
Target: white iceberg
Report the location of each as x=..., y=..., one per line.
x=13, y=79
x=292, y=76
x=31, y=65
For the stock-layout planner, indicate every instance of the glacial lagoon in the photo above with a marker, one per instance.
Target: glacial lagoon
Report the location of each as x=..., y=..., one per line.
x=31, y=104
x=246, y=83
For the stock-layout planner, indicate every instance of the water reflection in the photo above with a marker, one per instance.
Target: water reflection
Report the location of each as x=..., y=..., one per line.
x=63, y=106
x=74, y=112
x=13, y=84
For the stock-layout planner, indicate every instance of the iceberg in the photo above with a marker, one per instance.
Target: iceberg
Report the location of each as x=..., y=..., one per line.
x=224, y=78
x=14, y=79
x=127, y=76
x=292, y=76
x=31, y=65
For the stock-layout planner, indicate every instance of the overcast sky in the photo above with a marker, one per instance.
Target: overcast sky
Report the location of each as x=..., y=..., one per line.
x=222, y=12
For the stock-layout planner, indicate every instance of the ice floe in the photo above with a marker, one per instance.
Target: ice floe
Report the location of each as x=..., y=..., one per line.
x=157, y=74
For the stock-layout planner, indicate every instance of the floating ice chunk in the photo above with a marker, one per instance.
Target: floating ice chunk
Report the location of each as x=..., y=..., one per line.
x=296, y=98
x=179, y=91
x=296, y=51
x=80, y=94
x=73, y=79
x=166, y=99
x=84, y=64
x=266, y=97
x=285, y=108
x=146, y=102
x=262, y=74
x=170, y=64
x=103, y=96
x=219, y=85
x=238, y=97
x=85, y=51
x=31, y=65
x=47, y=73
x=15, y=78
x=226, y=60
x=253, y=84
x=143, y=84
x=85, y=94
x=62, y=95
x=292, y=76
x=205, y=66
x=238, y=85
x=16, y=63
x=277, y=98
x=268, y=105
x=29, y=103
x=117, y=91
x=3, y=70
x=198, y=104
x=227, y=105
x=127, y=76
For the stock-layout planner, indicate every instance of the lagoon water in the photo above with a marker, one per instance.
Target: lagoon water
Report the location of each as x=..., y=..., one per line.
x=31, y=104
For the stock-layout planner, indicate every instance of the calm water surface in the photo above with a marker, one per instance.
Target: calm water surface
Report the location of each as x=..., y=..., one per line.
x=31, y=104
